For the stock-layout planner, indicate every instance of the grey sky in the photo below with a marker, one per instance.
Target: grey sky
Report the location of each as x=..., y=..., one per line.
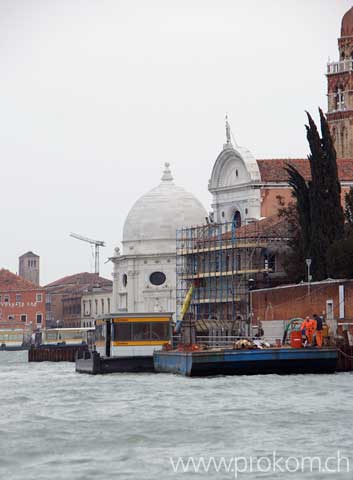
x=97, y=94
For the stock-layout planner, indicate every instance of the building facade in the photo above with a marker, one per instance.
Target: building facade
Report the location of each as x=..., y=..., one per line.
x=95, y=302
x=223, y=264
x=144, y=278
x=340, y=90
x=64, y=298
x=22, y=303
x=245, y=189
x=29, y=267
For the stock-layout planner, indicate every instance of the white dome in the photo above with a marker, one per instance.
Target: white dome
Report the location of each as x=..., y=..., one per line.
x=160, y=212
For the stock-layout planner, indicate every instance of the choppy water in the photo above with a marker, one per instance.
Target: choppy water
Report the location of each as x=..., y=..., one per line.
x=56, y=424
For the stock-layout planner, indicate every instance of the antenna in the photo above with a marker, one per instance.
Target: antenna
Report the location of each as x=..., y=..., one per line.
x=96, y=243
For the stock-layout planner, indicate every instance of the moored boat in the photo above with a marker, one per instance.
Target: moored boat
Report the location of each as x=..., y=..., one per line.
x=247, y=362
x=125, y=343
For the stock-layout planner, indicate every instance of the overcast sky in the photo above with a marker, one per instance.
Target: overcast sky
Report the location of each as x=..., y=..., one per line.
x=97, y=94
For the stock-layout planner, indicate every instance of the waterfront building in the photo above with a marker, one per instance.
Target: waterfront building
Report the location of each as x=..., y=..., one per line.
x=331, y=298
x=29, y=267
x=245, y=189
x=95, y=301
x=64, y=298
x=223, y=263
x=144, y=277
x=22, y=303
x=340, y=90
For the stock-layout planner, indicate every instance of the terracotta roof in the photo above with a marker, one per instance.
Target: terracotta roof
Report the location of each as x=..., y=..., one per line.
x=9, y=282
x=79, y=282
x=269, y=227
x=273, y=170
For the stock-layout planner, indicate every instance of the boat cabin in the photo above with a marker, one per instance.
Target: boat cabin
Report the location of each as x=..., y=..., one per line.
x=132, y=334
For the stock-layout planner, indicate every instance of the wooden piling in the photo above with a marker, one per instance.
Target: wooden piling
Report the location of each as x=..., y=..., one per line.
x=55, y=353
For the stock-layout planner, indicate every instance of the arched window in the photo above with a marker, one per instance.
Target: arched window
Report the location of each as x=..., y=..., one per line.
x=339, y=98
x=236, y=219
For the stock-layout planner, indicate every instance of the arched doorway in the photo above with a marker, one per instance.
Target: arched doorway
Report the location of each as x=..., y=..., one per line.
x=236, y=221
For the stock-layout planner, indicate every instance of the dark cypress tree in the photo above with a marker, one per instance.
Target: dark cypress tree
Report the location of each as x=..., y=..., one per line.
x=348, y=211
x=318, y=205
x=302, y=194
x=327, y=219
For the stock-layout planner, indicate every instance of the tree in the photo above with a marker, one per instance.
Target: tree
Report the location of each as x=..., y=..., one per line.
x=301, y=192
x=327, y=219
x=294, y=257
x=348, y=212
x=318, y=202
x=340, y=258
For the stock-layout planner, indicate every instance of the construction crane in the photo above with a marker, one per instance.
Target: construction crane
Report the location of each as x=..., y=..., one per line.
x=96, y=243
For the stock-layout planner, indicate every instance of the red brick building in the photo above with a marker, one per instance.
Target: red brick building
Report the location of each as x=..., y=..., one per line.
x=63, y=299
x=331, y=298
x=22, y=303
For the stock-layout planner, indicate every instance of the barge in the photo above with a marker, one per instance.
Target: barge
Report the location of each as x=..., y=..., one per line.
x=247, y=362
x=60, y=344
x=125, y=343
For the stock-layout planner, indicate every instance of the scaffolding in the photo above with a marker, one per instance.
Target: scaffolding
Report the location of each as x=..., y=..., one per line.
x=222, y=265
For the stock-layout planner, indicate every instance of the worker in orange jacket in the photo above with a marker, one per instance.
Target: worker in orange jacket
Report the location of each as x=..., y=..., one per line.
x=308, y=328
x=312, y=330
x=305, y=328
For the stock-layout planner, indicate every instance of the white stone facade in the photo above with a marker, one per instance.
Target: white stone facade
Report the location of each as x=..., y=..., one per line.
x=144, y=277
x=95, y=304
x=235, y=185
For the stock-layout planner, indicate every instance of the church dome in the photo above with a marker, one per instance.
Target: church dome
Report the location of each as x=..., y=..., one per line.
x=347, y=24
x=159, y=213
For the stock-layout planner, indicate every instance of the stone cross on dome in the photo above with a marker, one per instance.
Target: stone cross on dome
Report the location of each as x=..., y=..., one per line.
x=167, y=174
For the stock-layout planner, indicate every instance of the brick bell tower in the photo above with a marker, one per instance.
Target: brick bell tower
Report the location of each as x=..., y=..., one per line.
x=340, y=91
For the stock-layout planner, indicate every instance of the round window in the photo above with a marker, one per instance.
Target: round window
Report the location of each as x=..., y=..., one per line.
x=124, y=279
x=157, y=278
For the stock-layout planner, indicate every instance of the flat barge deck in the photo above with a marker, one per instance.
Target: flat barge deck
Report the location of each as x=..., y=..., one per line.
x=247, y=362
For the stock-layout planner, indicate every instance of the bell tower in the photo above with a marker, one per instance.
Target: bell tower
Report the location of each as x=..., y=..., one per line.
x=340, y=91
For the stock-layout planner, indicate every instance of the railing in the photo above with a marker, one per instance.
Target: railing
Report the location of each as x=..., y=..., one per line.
x=339, y=67
x=224, y=341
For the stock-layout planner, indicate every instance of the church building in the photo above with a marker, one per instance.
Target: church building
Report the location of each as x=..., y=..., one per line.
x=244, y=190
x=144, y=277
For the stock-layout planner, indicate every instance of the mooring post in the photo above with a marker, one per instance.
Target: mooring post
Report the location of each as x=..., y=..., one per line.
x=108, y=338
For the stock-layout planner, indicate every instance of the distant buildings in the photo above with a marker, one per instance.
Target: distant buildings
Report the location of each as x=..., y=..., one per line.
x=29, y=268
x=95, y=301
x=64, y=298
x=22, y=303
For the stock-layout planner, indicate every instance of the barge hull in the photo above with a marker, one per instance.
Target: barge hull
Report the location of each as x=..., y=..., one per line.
x=93, y=363
x=247, y=362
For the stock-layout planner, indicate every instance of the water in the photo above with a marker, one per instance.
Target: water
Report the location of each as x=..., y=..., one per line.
x=56, y=424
